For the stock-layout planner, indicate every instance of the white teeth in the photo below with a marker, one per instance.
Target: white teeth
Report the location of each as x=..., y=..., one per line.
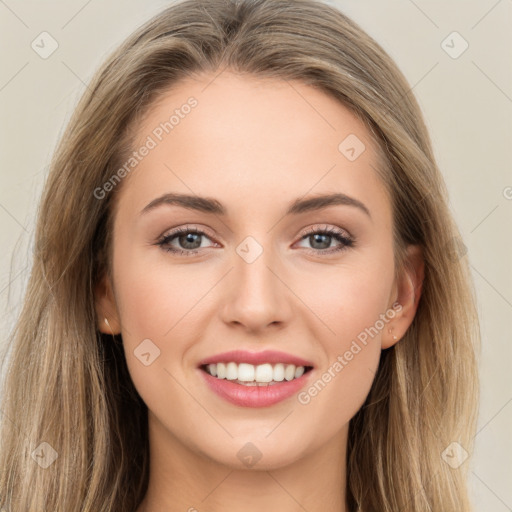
x=289, y=372
x=279, y=372
x=231, y=371
x=245, y=372
x=249, y=374
x=264, y=373
x=221, y=371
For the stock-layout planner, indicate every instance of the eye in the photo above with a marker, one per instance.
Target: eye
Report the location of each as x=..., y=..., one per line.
x=188, y=240
x=321, y=239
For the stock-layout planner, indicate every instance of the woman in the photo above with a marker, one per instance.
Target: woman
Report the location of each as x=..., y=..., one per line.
x=315, y=350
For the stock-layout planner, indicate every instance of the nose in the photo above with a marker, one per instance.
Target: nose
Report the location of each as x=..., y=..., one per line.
x=258, y=295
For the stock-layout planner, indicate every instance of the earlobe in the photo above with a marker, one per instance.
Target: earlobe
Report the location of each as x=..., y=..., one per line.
x=408, y=292
x=106, y=311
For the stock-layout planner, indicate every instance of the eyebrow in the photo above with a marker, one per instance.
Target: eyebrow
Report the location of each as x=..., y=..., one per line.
x=298, y=206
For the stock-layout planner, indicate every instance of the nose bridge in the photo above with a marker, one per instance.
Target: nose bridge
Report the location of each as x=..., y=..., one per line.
x=259, y=297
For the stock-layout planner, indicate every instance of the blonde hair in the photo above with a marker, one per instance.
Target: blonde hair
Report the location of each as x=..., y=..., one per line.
x=68, y=385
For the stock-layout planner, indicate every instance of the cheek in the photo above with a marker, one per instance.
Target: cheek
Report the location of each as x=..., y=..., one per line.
x=152, y=296
x=352, y=304
x=348, y=300
x=153, y=301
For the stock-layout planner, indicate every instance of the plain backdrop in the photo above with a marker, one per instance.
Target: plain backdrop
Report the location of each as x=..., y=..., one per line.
x=466, y=98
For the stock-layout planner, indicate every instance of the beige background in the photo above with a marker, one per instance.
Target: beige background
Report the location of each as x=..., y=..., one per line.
x=467, y=103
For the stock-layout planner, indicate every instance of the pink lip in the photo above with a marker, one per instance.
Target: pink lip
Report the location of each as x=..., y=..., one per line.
x=254, y=396
x=255, y=358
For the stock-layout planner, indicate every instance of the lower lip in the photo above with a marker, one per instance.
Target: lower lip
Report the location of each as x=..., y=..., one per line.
x=255, y=396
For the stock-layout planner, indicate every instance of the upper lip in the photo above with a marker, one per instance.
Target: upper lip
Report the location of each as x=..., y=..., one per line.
x=255, y=358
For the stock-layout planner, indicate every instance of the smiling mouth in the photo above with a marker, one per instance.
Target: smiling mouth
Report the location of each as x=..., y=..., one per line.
x=247, y=374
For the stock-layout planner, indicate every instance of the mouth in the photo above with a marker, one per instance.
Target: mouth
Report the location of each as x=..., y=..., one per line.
x=262, y=379
x=261, y=375
x=255, y=379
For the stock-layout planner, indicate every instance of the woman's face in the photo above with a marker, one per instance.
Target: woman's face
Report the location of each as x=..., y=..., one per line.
x=270, y=270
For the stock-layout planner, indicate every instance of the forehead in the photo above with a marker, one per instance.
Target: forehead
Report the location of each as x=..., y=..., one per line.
x=249, y=139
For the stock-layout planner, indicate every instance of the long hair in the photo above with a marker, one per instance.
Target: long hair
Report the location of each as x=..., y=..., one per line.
x=67, y=384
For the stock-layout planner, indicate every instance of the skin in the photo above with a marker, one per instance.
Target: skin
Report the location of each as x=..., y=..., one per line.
x=254, y=145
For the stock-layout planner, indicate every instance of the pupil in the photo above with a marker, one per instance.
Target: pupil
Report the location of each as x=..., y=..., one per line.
x=189, y=238
x=320, y=236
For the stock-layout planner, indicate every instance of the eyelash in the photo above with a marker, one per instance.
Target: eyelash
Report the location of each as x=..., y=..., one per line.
x=346, y=241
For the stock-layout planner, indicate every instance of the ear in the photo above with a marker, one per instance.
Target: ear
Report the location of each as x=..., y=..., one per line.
x=405, y=297
x=105, y=305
